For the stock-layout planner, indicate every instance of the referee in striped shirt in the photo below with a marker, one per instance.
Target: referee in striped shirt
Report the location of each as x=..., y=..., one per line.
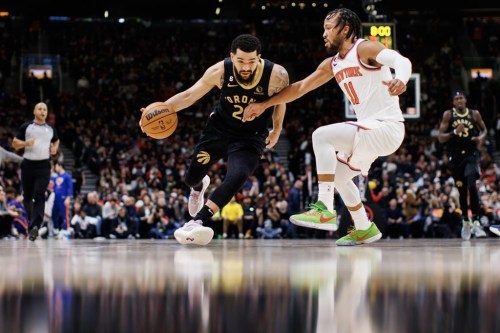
x=39, y=141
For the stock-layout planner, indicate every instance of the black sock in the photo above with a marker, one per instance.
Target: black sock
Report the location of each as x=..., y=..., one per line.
x=198, y=187
x=204, y=214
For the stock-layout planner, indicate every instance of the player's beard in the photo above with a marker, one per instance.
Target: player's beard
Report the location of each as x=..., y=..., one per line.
x=333, y=46
x=332, y=49
x=248, y=80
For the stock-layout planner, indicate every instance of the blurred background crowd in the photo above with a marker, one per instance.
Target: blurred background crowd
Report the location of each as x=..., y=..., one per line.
x=126, y=185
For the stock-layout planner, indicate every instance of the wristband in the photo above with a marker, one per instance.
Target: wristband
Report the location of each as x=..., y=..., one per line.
x=454, y=132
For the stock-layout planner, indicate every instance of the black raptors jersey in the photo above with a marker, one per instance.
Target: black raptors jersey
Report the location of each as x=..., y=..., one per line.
x=462, y=145
x=234, y=98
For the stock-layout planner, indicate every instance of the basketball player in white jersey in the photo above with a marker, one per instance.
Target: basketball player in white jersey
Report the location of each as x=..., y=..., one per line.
x=345, y=150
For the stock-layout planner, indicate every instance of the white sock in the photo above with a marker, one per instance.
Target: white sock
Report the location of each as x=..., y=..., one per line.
x=360, y=218
x=325, y=194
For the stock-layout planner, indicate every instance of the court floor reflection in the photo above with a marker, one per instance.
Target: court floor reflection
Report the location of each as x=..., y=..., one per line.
x=250, y=286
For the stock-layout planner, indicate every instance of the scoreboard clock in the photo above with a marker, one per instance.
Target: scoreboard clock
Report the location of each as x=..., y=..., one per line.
x=383, y=32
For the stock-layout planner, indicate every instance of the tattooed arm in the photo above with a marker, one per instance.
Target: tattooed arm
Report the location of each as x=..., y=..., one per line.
x=279, y=80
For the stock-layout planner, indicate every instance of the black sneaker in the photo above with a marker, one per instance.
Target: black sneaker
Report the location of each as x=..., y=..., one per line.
x=33, y=234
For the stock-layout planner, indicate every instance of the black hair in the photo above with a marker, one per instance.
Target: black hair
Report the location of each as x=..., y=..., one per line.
x=347, y=17
x=10, y=190
x=247, y=43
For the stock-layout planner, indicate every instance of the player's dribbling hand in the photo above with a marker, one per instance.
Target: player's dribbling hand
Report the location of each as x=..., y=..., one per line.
x=395, y=87
x=140, y=119
x=272, y=139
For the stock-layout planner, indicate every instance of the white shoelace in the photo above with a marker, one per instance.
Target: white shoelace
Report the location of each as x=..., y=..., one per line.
x=191, y=224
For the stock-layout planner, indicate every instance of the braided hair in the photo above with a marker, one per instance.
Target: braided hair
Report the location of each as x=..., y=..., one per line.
x=345, y=17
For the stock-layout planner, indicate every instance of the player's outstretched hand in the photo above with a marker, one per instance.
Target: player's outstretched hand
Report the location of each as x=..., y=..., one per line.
x=252, y=110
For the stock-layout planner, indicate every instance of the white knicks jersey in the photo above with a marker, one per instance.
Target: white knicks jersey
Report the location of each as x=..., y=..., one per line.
x=362, y=84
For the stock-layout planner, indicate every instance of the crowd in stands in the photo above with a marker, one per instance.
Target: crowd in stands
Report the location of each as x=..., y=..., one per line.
x=140, y=193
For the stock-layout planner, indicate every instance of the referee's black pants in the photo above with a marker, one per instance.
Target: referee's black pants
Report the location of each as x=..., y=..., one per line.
x=35, y=177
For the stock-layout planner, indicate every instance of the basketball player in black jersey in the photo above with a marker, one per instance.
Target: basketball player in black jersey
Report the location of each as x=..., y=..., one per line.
x=241, y=78
x=464, y=131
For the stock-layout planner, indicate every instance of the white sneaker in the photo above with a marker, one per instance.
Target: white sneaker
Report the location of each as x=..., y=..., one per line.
x=495, y=228
x=42, y=231
x=477, y=230
x=466, y=230
x=193, y=232
x=196, y=198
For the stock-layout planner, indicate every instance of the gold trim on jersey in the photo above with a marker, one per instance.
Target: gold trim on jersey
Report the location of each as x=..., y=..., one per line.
x=260, y=71
x=461, y=115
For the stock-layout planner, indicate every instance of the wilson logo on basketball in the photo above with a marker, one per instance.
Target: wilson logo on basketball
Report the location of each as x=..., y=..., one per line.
x=203, y=157
x=153, y=114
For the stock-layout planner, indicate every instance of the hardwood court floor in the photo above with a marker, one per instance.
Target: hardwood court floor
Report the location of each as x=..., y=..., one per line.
x=424, y=285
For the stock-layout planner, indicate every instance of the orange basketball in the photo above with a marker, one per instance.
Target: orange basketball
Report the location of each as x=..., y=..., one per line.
x=157, y=121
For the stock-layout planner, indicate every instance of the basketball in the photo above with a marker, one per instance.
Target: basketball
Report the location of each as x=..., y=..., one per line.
x=157, y=121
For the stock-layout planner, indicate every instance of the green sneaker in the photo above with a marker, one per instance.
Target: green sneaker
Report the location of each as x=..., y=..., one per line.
x=317, y=217
x=357, y=237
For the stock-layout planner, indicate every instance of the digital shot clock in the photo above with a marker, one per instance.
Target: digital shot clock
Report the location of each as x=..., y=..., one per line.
x=385, y=33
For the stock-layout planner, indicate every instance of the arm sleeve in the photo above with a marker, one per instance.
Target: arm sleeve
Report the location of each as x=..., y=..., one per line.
x=402, y=65
x=8, y=156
